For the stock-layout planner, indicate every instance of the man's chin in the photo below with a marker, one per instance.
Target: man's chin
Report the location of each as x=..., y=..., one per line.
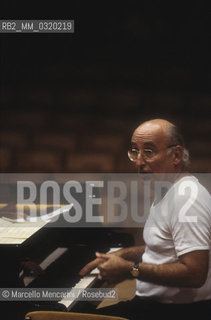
x=146, y=175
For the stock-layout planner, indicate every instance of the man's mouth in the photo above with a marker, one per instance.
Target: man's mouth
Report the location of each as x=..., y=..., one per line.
x=145, y=172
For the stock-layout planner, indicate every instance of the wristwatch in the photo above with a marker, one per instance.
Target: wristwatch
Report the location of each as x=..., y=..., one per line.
x=135, y=270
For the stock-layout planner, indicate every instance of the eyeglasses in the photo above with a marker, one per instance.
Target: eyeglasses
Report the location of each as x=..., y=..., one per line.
x=146, y=153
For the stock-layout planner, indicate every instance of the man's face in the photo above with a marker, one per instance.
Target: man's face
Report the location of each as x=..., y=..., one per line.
x=154, y=154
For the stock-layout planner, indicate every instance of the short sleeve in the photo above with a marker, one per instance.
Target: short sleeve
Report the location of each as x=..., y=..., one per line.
x=190, y=220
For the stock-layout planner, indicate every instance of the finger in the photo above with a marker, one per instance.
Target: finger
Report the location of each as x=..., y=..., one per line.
x=99, y=277
x=34, y=272
x=100, y=267
x=38, y=270
x=102, y=275
x=102, y=255
x=89, y=267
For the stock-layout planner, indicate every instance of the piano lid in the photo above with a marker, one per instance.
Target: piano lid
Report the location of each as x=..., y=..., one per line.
x=14, y=231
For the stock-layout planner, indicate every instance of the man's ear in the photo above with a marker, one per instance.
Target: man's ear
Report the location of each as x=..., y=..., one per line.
x=177, y=155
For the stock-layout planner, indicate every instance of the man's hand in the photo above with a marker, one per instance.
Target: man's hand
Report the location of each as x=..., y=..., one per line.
x=126, y=255
x=31, y=268
x=113, y=268
x=94, y=263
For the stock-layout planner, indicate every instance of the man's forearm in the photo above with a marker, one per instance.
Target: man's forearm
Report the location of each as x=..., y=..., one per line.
x=131, y=253
x=172, y=275
x=190, y=271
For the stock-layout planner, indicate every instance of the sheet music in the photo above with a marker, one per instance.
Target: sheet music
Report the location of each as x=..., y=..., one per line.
x=10, y=233
x=17, y=231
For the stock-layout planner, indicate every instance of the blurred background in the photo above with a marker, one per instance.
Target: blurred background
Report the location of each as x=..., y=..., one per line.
x=70, y=102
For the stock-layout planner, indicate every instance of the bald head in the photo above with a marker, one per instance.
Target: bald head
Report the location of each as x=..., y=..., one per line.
x=160, y=135
x=155, y=127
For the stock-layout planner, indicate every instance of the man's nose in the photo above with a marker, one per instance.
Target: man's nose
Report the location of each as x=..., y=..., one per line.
x=140, y=160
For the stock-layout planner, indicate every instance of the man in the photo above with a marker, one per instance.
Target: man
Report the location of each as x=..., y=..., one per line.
x=173, y=268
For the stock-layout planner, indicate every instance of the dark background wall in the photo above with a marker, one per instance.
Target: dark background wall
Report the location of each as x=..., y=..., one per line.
x=69, y=102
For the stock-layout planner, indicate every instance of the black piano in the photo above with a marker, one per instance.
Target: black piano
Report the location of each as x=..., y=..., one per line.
x=61, y=252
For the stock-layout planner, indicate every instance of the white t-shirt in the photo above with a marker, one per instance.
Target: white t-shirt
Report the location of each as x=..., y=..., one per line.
x=168, y=234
